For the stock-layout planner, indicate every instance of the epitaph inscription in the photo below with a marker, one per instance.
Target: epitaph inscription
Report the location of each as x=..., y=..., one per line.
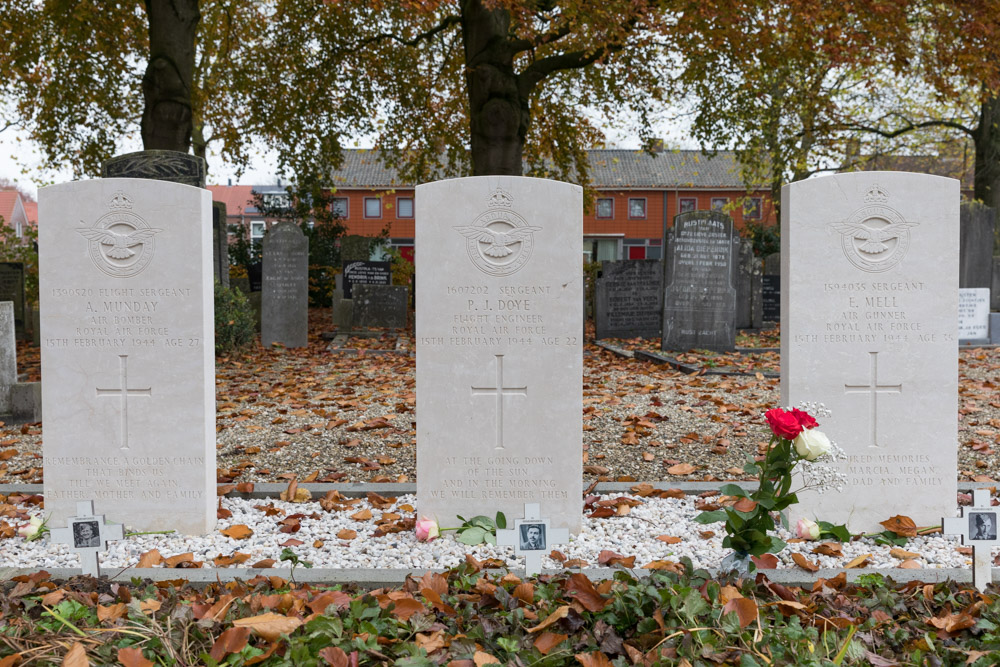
x=285, y=294
x=628, y=299
x=129, y=396
x=499, y=351
x=868, y=309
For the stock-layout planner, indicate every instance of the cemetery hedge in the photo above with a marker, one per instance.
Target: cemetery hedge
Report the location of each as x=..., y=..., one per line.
x=234, y=320
x=469, y=618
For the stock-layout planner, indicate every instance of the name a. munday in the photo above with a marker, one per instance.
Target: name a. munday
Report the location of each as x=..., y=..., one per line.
x=122, y=306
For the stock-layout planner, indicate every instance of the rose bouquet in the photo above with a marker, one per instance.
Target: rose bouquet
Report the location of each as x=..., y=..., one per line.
x=749, y=521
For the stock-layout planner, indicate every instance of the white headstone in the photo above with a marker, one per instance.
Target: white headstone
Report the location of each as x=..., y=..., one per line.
x=974, y=313
x=869, y=300
x=499, y=350
x=128, y=351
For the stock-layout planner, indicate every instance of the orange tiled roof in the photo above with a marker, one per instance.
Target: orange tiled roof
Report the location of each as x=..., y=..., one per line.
x=238, y=198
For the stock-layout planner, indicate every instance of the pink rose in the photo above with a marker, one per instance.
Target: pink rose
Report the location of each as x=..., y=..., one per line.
x=427, y=529
x=807, y=530
x=805, y=419
x=783, y=424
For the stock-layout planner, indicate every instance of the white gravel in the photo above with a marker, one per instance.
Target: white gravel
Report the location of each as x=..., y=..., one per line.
x=633, y=534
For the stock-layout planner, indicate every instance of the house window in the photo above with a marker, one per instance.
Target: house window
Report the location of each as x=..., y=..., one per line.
x=373, y=207
x=605, y=208
x=688, y=204
x=257, y=229
x=637, y=208
x=751, y=208
x=404, y=207
x=719, y=203
x=339, y=207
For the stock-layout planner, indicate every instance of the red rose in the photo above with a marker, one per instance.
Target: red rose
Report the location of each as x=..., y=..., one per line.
x=783, y=424
x=805, y=419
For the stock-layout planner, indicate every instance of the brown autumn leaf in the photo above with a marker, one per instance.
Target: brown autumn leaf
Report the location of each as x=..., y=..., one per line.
x=233, y=640
x=901, y=525
x=611, y=558
x=525, y=592
x=335, y=657
x=745, y=608
x=909, y=564
x=548, y=641
x=174, y=561
x=264, y=564
x=151, y=558
x=805, y=563
x=11, y=660
x=668, y=565
x=828, y=549
x=406, y=607
x=581, y=589
x=132, y=657
x=555, y=616
x=902, y=554
x=363, y=515
x=238, y=532
x=431, y=642
x=270, y=626
x=346, y=534
x=745, y=505
x=681, y=469
x=54, y=598
x=595, y=659
x=951, y=622
x=860, y=561
x=765, y=561
x=76, y=656
x=596, y=470
x=482, y=659
x=111, y=612
x=669, y=539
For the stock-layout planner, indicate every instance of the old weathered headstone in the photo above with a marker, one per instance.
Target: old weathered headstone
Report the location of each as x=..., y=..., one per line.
x=749, y=288
x=220, y=243
x=127, y=351
x=699, y=306
x=380, y=306
x=628, y=300
x=355, y=248
x=12, y=289
x=343, y=308
x=359, y=272
x=284, y=314
x=975, y=256
x=869, y=298
x=973, y=314
x=8, y=357
x=499, y=351
x=159, y=165
x=771, y=288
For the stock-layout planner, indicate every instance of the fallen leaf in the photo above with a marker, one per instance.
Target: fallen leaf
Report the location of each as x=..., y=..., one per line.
x=765, y=561
x=481, y=659
x=858, y=562
x=596, y=659
x=669, y=539
x=902, y=554
x=828, y=549
x=363, y=515
x=559, y=613
x=346, y=534
x=238, y=532
x=132, y=657
x=681, y=469
x=805, y=563
x=270, y=626
x=901, y=525
x=335, y=657
x=548, y=641
x=76, y=656
x=233, y=640
x=151, y=558
x=174, y=561
x=745, y=608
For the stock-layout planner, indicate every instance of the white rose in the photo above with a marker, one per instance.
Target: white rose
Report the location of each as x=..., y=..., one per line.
x=811, y=444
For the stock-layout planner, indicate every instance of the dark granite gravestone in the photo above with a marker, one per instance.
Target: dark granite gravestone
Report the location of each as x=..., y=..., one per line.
x=771, y=288
x=255, y=276
x=975, y=258
x=359, y=272
x=629, y=299
x=749, y=311
x=12, y=289
x=220, y=243
x=699, y=306
x=995, y=285
x=380, y=306
x=172, y=166
x=285, y=295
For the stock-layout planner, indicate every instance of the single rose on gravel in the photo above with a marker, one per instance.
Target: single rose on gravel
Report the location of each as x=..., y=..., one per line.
x=811, y=444
x=427, y=529
x=807, y=530
x=783, y=424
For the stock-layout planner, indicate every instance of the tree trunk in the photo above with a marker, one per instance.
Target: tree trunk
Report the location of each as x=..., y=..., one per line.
x=987, y=141
x=498, y=112
x=166, y=85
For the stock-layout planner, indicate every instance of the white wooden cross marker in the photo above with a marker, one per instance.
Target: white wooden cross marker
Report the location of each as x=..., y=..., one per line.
x=86, y=534
x=978, y=527
x=532, y=537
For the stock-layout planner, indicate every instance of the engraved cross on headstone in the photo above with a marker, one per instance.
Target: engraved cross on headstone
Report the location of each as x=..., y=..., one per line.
x=873, y=389
x=123, y=393
x=978, y=527
x=500, y=391
x=86, y=534
x=532, y=537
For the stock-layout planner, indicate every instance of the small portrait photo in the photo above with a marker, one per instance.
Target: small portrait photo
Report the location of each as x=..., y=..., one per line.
x=983, y=526
x=532, y=536
x=86, y=534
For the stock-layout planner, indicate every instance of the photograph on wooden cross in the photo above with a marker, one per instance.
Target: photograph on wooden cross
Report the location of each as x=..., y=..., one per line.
x=86, y=533
x=532, y=536
x=982, y=525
